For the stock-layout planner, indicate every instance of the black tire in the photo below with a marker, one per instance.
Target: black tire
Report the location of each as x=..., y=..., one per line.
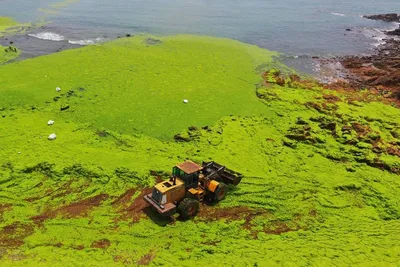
x=220, y=192
x=188, y=208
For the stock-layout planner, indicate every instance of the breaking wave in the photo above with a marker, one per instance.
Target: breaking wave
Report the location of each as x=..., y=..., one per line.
x=48, y=36
x=338, y=14
x=86, y=41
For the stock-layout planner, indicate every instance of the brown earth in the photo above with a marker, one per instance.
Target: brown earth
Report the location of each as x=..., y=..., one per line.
x=102, y=243
x=131, y=209
x=147, y=259
x=77, y=209
x=13, y=235
x=210, y=213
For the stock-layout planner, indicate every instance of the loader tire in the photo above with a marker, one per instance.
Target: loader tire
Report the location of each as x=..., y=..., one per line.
x=220, y=192
x=188, y=208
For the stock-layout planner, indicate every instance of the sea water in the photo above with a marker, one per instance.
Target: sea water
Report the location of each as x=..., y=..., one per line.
x=298, y=28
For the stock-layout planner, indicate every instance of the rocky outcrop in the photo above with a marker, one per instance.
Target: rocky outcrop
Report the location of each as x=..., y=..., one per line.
x=380, y=71
x=391, y=17
x=395, y=32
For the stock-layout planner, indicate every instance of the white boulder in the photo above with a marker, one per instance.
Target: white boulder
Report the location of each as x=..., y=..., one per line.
x=185, y=101
x=52, y=136
x=58, y=89
x=50, y=122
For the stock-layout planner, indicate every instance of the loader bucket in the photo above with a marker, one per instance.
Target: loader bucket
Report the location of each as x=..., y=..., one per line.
x=228, y=176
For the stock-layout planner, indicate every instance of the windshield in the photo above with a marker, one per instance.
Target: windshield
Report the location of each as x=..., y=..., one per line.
x=156, y=195
x=178, y=172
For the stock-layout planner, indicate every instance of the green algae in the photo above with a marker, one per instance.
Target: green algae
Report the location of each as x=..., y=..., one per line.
x=298, y=205
x=217, y=78
x=8, y=53
x=54, y=9
x=10, y=26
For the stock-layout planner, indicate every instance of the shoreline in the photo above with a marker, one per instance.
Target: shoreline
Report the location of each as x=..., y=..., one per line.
x=379, y=71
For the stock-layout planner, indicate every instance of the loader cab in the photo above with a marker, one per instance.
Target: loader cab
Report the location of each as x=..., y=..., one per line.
x=188, y=172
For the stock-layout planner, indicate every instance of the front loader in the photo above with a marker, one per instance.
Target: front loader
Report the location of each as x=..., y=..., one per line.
x=189, y=185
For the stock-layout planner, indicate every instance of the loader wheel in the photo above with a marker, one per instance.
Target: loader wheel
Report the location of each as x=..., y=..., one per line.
x=188, y=208
x=220, y=192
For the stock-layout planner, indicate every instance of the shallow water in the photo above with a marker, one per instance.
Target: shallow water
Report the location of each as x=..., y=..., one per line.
x=299, y=28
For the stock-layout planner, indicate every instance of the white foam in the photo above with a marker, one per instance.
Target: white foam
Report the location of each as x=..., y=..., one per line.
x=375, y=34
x=48, y=36
x=338, y=14
x=86, y=41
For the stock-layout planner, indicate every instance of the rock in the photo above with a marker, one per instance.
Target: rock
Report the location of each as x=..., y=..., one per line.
x=391, y=79
x=58, y=89
x=181, y=138
x=347, y=129
x=395, y=32
x=52, y=136
x=65, y=107
x=128, y=35
x=391, y=17
x=185, y=101
x=301, y=121
x=329, y=126
x=349, y=30
x=289, y=143
x=50, y=122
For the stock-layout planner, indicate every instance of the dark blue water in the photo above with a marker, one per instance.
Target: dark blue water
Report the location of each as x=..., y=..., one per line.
x=311, y=27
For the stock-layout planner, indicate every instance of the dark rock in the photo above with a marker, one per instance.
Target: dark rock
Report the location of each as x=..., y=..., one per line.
x=181, y=138
x=347, y=129
x=328, y=126
x=391, y=17
x=290, y=143
x=128, y=35
x=301, y=121
x=62, y=108
x=317, y=119
x=395, y=32
x=395, y=134
x=71, y=93
x=349, y=30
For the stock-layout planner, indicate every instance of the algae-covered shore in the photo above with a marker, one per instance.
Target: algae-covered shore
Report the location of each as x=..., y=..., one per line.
x=321, y=165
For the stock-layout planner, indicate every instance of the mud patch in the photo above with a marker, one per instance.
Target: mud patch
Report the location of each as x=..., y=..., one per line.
x=132, y=210
x=147, y=259
x=102, y=243
x=77, y=209
x=124, y=199
x=13, y=235
x=280, y=227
